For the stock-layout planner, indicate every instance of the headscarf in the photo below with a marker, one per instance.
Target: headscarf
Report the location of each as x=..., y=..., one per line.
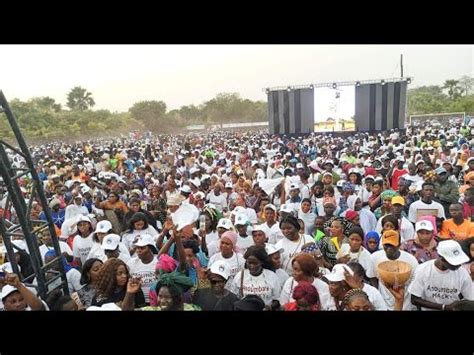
x=351, y=215
x=52, y=253
x=166, y=263
x=347, y=186
x=232, y=236
x=351, y=200
x=346, y=224
x=371, y=235
x=468, y=176
x=176, y=281
x=388, y=194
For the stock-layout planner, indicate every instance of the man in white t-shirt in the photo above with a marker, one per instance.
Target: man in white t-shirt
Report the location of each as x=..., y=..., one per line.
x=271, y=227
x=143, y=265
x=391, y=251
x=426, y=203
x=48, y=244
x=439, y=283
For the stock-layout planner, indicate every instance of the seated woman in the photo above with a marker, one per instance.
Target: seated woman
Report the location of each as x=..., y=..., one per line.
x=306, y=298
x=112, y=284
x=170, y=288
x=89, y=278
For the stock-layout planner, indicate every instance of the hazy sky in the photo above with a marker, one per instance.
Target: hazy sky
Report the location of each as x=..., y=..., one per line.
x=119, y=76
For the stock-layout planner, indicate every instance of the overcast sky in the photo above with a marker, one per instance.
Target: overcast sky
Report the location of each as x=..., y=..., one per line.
x=119, y=76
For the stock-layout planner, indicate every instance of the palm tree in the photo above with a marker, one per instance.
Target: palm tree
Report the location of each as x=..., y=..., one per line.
x=79, y=99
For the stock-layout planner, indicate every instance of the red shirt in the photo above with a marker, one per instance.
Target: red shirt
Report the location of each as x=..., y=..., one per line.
x=397, y=173
x=468, y=211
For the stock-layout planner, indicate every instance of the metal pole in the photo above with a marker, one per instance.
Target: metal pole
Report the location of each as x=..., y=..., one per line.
x=401, y=65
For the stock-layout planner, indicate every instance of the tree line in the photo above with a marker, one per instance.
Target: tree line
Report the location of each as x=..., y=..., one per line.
x=452, y=96
x=42, y=118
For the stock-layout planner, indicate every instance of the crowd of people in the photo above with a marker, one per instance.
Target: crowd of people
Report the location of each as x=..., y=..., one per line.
x=248, y=221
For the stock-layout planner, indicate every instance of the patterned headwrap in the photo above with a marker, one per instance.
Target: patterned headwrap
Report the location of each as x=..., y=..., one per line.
x=347, y=186
x=176, y=281
x=346, y=224
x=388, y=194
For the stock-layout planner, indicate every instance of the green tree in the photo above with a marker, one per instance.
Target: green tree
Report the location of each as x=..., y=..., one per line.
x=467, y=83
x=79, y=99
x=426, y=99
x=46, y=102
x=454, y=90
x=151, y=113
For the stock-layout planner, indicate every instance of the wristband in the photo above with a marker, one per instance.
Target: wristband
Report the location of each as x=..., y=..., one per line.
x=443, y=307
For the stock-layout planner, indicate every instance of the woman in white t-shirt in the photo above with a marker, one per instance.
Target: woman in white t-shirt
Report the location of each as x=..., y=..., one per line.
x=258, y=277
x=354, y=251
x=304, y=269
x=292, y=242
x=137, y=225
x=229, y=253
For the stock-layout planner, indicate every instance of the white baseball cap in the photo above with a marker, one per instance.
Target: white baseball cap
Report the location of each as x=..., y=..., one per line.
x=241, y=219
x=259, y=228
x=185, y=188
x=237, y=210
x=271, y=249
x=221, y=268
x=7, y=268
x=451, y=250
x=196, y=182
x=337, y=273
x=424, y=225
x=299, y=166
x=193, y=170
x=110, y=242
x=6, y=290
x=144, y=240
x=286, y=208
x=294, y=186
x=103, y=227
x=228, y=185
x=224, y=223
x=270, y=206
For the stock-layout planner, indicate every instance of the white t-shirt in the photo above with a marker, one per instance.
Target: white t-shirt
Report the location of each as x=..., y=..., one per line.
x=145, y=271
x=442, y=287
x=421, y=205
x=73, y=280
x=73, y=211
x=308, y=219
x=290, y=249
x=286, y=295
x=63, y=246
x=282, y=276
x=375, y=297
x=266, y=285
x=211, y=237
x=219, y=201
x=244, y=243
x=363, y=257
x=273, y=233
x=236, y=263
x=213, y=248
x=81, y=247
x=380, y=256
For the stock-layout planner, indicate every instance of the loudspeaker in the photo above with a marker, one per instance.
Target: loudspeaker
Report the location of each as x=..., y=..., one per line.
x=380, y=107
x=291, y=111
